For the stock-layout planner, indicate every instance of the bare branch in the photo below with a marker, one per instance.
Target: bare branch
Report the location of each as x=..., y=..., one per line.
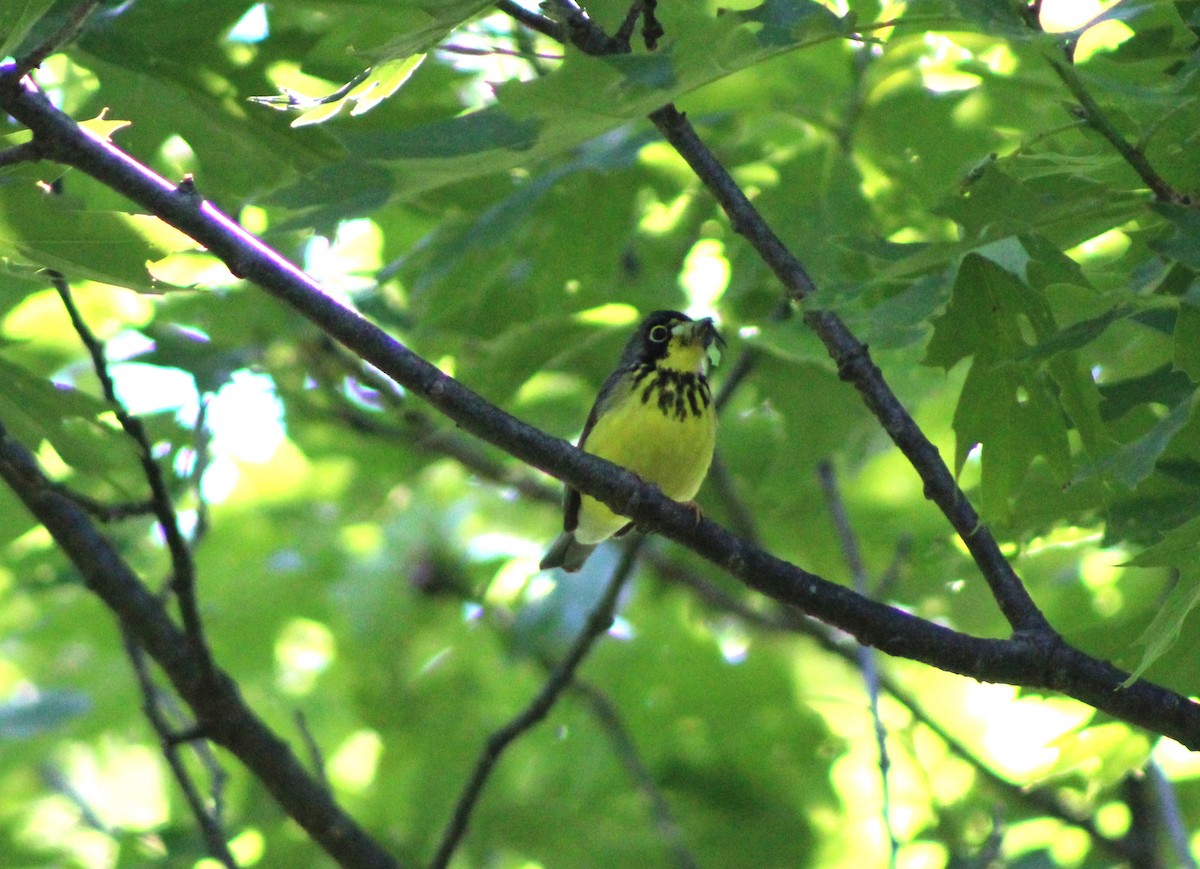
x=867, y=663
x=598, y=622
x=183, y=569
x=855, y=365
x=26, y=152
x=1062, y=63
x=610, y=722
x=70, y=29
x=221, y=714
x=215, y=836
x=315, y=757
x=543, y=25
x=415, y=428
x=108, y=512
x=1102, y=124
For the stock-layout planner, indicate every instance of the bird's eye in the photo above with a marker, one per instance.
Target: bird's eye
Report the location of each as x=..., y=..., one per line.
x=659, y=334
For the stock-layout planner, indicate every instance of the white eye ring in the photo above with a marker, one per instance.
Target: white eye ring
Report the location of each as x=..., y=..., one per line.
x=658, y=334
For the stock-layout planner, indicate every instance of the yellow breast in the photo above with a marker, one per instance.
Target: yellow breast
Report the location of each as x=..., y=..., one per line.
x=660, y=425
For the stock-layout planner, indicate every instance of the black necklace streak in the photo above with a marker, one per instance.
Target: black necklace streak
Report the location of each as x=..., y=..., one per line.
x=680, y=393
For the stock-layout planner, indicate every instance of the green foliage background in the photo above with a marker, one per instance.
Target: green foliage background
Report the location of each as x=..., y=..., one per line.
x=510, y=219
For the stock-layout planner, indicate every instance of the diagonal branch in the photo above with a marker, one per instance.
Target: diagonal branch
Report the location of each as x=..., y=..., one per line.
x=209, y=820
x=560, y=678
x=26, y=152
x=1103, y=125
x=1033, y=659
x=853, y=360
x=221, y=713
x=855, y=365
x=70, y=28
x=183, y=568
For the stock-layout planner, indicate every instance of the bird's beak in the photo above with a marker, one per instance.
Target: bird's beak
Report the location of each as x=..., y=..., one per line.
x=704, y=332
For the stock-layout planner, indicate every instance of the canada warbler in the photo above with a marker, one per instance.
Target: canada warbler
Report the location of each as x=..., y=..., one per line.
x=655, y=417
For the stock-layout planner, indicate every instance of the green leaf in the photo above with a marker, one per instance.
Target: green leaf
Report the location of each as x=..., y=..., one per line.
x=1184, y=244
x=985, y=317
x=423, y=25
x=997, y=16
x=1163, y=631
x=34, y=409
x=81, y=244
x=1013, y=413
x=1080, y=399
x=534, y=120
x=1187, y=341
x=1133, y=462
x=1077, y=335
x=784, y=22
x=17, y=18
x=1102, y=755
x=1176, y=548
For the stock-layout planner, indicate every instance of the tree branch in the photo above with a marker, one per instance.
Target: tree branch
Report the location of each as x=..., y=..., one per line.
x=183, y=568
x=209, y=821
x=26, y=152
x=221, y=713
x=1032, y=659
x=609, y=719
x=540, y=23
x=1100, y=122
x=855, y=365
x=867, y=663
x=69, y=30
x=598, y=622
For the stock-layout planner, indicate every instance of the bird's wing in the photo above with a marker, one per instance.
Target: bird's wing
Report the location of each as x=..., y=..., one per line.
x=571, y=497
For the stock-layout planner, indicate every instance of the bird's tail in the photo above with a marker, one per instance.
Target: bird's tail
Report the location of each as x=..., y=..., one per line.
x=566, y=552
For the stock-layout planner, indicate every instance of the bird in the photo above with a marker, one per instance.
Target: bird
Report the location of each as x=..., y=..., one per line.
x=653, y=416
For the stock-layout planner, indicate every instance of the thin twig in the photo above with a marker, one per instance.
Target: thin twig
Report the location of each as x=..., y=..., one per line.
x=183, y=571
x=609, y=719
x=739, y=515
x=415, y=427
x=625, y=32
x=70, y=29
x=780, y=619
x=1103, y=125
x=315, y=758
x=1171, y=817
x=201, y=439
x=598, y=622
x=861, y=59
x=1062, y=63
x=540, y=23
x=26, y=152
x=215, y=836
x=471, y=51
x=867, y=663
x=107, y=512
x=59, y=782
